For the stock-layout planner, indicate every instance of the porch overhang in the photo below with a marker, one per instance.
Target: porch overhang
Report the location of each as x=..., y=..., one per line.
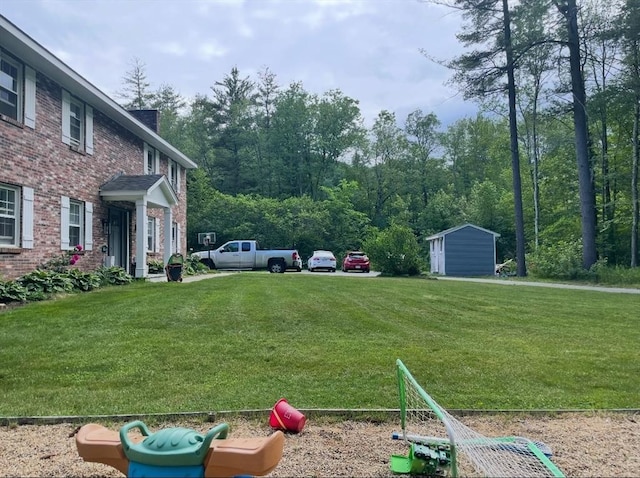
x=149, y=191
x=154, y=189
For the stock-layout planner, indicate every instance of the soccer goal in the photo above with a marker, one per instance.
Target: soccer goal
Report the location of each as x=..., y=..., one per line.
x=441, y=445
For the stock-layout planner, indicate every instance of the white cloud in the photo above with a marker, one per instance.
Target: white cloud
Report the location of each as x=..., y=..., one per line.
x=328, y=11
x=170, y=48
x=205, y=6
x=210, y=49
x=369, y=49
x=244, y=30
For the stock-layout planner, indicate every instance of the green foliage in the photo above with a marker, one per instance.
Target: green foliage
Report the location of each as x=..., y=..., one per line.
x=136, y=87
x=155, y=266
x=13, y=291
x=59, y=263
x=562, y=260
x=615, y=275
x=193, y=265
x=394, y=251
x=41, y=283
x=443, y=211
x=282, y=156
x=331, y=223
x=486, y=207
x=113, y=276
x=83, y=281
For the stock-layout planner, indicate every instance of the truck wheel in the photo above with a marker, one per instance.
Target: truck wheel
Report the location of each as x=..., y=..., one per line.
x=277, y=267
x=209, y=263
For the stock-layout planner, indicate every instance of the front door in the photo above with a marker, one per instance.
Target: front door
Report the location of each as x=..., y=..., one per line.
x=118, y=251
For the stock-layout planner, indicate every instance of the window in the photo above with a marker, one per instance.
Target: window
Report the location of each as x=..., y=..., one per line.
x=9, y=215
x=174, y=176
x=175, y=237
x=77, y=123
x=76, y=118
x=151, y=234
x=76, y=213
x=16, y=216
x=152, y=159
x=232, y=247
x=76, y=222
x=17, y=91
x=10, y=88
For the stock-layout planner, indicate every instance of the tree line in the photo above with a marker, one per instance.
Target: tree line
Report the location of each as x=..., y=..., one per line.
x=550, y=162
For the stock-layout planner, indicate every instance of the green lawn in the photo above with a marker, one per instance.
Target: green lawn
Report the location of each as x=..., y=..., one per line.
x=243, y=341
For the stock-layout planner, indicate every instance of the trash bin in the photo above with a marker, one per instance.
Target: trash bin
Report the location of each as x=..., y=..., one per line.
x=174, y=267
x=170, y=452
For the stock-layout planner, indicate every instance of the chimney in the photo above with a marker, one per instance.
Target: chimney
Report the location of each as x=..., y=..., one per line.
x=150, y=118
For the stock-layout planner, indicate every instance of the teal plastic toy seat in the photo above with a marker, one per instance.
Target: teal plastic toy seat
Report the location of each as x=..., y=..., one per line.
x=179, y=452
x=171, y=447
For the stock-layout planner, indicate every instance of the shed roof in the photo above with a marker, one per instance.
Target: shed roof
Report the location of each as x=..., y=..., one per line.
x=457, y=228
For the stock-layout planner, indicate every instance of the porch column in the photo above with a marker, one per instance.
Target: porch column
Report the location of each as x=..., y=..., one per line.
x=168, y=222
x=142, y=233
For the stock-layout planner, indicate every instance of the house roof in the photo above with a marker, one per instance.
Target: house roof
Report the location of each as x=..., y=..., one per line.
x=457, y=228
x=154, y=187
x=38, y=57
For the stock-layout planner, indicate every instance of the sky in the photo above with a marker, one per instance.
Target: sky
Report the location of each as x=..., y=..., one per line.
x=368, y=49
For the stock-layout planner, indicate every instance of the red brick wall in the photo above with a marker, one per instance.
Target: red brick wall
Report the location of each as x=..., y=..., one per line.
x=38, y=159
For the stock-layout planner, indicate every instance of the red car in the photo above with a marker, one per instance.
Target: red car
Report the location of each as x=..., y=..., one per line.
x=355, y=261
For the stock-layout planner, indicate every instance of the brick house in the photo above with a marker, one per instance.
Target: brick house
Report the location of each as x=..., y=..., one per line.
x=77, y=168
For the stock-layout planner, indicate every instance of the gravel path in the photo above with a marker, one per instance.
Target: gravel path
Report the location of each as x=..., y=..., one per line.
x=583, y=445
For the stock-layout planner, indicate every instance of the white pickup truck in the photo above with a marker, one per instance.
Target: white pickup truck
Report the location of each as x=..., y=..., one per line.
x=248, y=255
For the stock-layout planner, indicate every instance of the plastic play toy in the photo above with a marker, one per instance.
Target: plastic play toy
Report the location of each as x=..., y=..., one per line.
x=285, y=417
x=464, y=452
x=179, y=452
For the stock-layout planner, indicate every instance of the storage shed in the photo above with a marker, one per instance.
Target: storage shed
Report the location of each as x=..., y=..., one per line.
x=465, y=250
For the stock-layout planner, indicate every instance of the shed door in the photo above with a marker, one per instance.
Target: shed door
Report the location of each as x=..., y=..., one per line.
x=436, y=253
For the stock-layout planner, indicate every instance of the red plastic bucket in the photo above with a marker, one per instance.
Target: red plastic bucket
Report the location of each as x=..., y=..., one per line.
x=285, y=417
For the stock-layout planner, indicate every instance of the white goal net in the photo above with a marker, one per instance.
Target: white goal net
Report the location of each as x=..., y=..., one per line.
x=457, y=449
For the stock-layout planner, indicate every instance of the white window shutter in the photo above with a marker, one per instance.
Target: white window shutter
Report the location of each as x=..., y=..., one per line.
x=156, y=241
x=88, y=147
x=27, y=218
x=178, y=236
x=88, y=226
x=29, y=97
x=156, y=166
x=64, y=223
x=178, y=177
x=144, y=163
x=66, y=114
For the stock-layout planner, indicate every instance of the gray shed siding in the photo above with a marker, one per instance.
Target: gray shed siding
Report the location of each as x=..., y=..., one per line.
x=469, y=252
